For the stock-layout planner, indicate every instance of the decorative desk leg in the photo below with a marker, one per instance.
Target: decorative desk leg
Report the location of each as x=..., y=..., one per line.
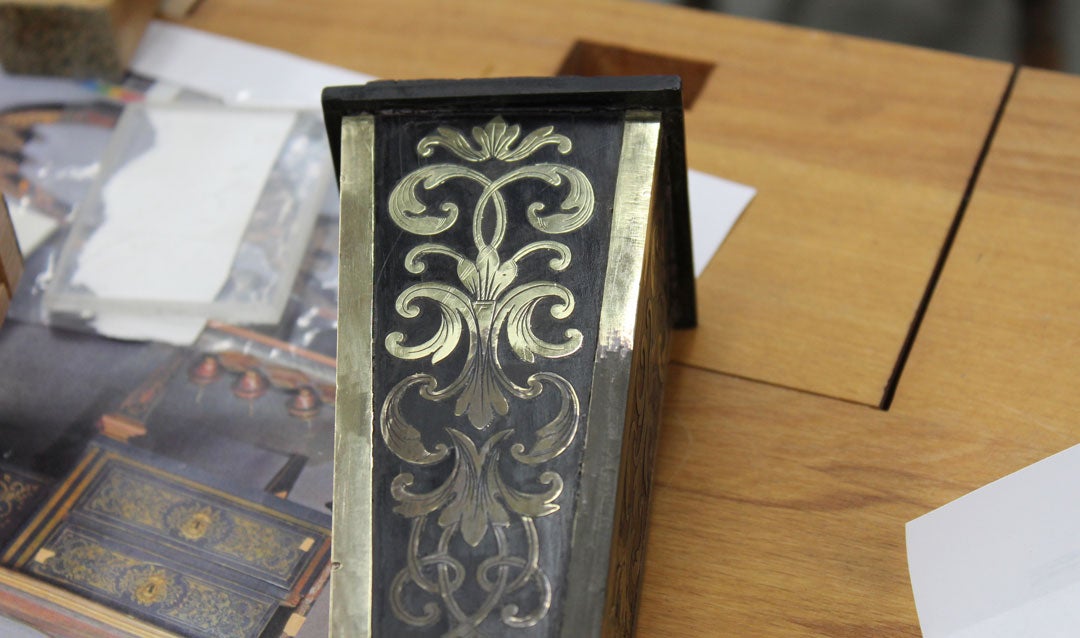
x=506, y=301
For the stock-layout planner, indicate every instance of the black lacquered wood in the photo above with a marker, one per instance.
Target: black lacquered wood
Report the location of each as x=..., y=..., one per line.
x=596, y=144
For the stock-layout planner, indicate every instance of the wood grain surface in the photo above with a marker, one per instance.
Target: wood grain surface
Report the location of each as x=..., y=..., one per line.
x=999, y=350
x=860, y=151
x=780, y=513
x=782, y=491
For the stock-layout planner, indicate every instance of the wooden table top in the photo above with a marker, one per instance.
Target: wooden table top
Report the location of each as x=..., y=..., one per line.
x=786, y=470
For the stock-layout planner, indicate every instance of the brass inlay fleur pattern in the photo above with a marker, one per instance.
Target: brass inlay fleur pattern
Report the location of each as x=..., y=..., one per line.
x=487, y=307
x=494, y=141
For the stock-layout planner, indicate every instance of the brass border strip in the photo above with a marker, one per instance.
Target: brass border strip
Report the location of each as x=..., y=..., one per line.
x=351, y=553
x=594, y=513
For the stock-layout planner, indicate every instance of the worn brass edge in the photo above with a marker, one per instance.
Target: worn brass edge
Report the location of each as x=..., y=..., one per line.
x=586, y=593
x=648, y=373
x=351, y=550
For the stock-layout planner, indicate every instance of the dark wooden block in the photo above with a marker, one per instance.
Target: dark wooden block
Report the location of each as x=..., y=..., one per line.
x=513, y=256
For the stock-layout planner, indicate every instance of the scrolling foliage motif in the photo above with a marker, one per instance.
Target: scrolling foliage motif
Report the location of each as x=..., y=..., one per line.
x=485, y=307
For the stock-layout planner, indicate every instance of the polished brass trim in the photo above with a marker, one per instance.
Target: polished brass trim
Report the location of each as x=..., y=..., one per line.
x=351, y=553
x=585, y=595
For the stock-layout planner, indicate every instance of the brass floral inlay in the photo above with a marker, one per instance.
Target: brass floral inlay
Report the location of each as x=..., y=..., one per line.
x=486, y=307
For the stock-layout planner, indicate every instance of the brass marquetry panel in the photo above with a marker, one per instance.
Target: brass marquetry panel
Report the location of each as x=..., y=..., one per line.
x=503, y=332
x=20, y=493
x=491, y=306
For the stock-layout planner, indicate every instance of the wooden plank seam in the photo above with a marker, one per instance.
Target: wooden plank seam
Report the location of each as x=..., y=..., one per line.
x=946, y=247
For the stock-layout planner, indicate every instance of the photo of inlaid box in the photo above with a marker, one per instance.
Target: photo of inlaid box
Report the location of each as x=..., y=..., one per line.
x=514, y=254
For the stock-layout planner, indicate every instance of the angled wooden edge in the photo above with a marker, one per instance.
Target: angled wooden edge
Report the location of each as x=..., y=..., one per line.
x=11, y=264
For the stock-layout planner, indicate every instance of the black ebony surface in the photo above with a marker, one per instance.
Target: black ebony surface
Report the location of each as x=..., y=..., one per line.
x=596, y=142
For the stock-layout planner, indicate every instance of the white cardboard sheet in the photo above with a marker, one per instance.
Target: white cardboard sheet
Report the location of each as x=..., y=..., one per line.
x=715, y=205
x=1004, y=560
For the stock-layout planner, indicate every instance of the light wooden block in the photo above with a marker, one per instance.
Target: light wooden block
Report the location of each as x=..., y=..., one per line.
x=71, y=38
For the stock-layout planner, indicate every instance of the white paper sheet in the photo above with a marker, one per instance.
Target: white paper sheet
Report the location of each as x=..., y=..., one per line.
x=10, y=628
x=715, y=205
x=21, y=89
x=174, y=216
x=1004, y=560
x=236, y=72
x=177, y=331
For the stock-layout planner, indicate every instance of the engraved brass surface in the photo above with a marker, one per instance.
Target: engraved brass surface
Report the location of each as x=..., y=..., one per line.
x=487, y=305
x=127, y=496
x=497, y=437
x=634, y=279
x=33, y=601
x=15, y=492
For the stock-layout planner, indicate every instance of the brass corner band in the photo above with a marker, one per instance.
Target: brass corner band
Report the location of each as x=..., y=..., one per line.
x=351, y=552
x=474, y=551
